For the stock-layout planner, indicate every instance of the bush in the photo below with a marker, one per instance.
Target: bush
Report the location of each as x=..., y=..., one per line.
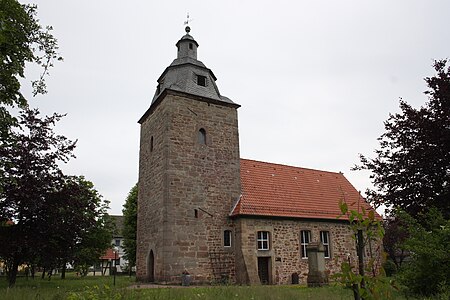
x=428, y=271
x=96, y=293
x=390, y=268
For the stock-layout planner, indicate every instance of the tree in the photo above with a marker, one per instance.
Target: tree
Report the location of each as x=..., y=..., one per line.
x=130, y=226
x=366, y=283
x=427, y=272
x=395, y=235
x=45, y=218
x=94, y=242
x=22, y=40
x=29, y=164
x=75, y=215
x=411, y=168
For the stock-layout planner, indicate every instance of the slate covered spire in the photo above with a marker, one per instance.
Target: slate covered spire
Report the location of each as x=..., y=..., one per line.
x=187, y=46
x=189, y=75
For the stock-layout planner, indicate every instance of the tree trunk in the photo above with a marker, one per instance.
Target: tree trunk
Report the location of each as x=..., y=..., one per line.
x=63, y=271
x=33, y=270
x=43, y=273
x=355, y=292
x=12, y=274
x=361, y=256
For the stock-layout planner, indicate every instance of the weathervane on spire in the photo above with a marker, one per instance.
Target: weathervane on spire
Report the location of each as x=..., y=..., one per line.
x=188, y=29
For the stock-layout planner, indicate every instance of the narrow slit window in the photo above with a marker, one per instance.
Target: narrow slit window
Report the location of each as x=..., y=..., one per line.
x=227, y=238
x=202, y=136
x=151, y=144
x=196, y=213
x=191, y=46
x=201, y=80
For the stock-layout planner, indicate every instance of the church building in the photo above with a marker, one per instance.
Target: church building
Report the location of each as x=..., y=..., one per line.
x=205, y=211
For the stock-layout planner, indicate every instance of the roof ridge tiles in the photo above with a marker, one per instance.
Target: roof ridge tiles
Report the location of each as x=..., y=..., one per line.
x=288, y=166
x=313, y=211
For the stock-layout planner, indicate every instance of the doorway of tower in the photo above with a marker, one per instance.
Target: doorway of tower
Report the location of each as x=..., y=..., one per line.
x=263, y=269
x=151, y=267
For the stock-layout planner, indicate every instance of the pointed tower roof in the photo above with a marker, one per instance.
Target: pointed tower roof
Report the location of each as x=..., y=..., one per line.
x=186, y=74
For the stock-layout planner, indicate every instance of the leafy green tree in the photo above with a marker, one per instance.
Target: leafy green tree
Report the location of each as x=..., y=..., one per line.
x=46, y=218
x=395, y=236
x=22, y=40
x=411, y=172
x=94, y=242
x=427, y=272
x=411, y=168
x=29, y=163
x=366, y=282
x=130, y=226
x=75, y=215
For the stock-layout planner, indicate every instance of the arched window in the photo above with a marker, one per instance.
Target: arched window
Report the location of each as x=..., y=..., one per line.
x=151, y=267
x=227, y=238
x=202, y=136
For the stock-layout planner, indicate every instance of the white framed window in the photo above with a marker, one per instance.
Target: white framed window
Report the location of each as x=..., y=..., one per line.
x=227, y=238
x=325, y=239
x=305, y=239
x=263, y=240
x=117, y=242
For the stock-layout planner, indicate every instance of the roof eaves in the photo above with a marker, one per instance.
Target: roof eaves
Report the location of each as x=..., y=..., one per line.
x=232, y=212
x=186, y=64
x=179, y=93
x=253, y=216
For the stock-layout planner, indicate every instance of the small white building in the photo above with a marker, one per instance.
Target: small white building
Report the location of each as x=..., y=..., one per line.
x=117, y=244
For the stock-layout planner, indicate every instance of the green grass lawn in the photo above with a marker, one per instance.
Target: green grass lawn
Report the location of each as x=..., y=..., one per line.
x=60, y=289
x=93, y=288
x=244, y=292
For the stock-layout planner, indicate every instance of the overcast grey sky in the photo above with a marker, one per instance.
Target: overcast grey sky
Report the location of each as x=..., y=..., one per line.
x=316, y=79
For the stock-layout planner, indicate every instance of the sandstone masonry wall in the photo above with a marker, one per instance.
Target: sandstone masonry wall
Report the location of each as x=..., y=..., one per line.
x=187, y=190
x=285, y=251
x=151, y=192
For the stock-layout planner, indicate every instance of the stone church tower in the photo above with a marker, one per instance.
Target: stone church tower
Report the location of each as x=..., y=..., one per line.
x=189, y=176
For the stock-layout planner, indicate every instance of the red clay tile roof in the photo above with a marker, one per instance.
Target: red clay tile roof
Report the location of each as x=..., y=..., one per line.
x=284, y=191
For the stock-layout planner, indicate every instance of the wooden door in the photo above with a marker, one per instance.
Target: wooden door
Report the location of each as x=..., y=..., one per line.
x=263, y=269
